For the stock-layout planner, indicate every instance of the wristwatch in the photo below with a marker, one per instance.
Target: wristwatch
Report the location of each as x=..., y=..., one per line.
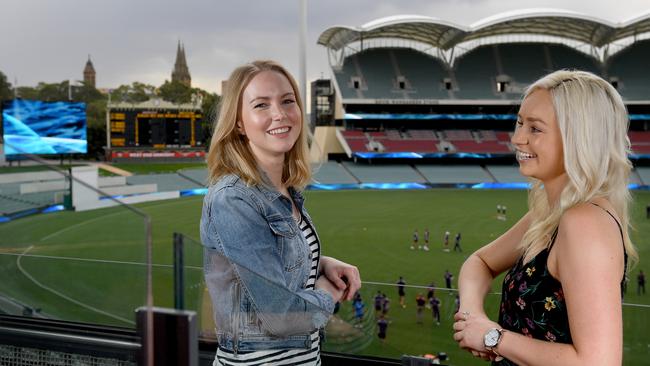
x=491, y=340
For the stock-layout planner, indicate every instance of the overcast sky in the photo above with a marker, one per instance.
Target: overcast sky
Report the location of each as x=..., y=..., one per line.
x=135, y=40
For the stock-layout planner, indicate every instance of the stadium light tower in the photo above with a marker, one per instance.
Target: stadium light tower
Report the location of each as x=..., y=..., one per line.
x=302, y=49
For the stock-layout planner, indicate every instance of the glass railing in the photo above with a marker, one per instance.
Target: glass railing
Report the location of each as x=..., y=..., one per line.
x=68, y=249
x=423, y=330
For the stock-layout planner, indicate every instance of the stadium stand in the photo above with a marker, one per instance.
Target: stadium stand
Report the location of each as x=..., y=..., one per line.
x=635, y=178
x=345, y=77
x=475, y=73
x=640, y=141
x=425, y=74
x=630, y=68
x=383, y=173
x=481, y=147
x=563, y=57
x=331, y=172
x=644, y=174
x=454, y=174
x=378, y=74
x=522, y=63
x=505, y=174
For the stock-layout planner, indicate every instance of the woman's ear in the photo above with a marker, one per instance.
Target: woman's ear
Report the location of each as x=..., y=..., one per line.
x=240, y=128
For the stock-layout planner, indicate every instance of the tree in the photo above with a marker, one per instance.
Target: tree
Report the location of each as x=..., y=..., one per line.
x=86, y=93
x=27, y=92
x=135, y=93
x=209, y=111
x=5, y=88
x=96, y=130
x=52, y=92
x=175, y=92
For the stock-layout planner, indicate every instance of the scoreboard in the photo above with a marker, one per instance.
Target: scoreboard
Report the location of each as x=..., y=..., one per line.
x=155, y=129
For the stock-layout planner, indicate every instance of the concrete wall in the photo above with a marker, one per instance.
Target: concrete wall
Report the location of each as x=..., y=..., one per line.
x=30, y=177
x=56, y=185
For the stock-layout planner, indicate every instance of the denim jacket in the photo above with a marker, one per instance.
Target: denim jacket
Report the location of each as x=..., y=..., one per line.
x=256, y=267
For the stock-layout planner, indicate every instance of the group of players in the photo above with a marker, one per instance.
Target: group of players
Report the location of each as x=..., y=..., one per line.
x=382, y=305
x=445, y=241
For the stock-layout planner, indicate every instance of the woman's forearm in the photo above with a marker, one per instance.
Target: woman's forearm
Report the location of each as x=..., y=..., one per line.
x=473, y=284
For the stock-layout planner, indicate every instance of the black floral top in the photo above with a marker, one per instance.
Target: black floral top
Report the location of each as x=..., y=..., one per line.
x=532, y=301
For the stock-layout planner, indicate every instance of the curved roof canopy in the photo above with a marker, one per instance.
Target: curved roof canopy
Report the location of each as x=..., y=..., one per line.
x=445, y=35
x=436, y=32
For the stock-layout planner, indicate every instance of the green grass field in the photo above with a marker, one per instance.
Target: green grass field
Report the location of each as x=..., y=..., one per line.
x=102, y=280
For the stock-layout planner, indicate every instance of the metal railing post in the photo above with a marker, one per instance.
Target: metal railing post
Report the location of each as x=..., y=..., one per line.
x=179, y=291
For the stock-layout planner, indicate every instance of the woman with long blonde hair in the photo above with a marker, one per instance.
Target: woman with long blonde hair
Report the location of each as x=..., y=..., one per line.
x=568, y=256
x=271, y=288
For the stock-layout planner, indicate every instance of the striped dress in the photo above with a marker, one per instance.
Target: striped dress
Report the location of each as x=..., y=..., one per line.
x=299, y=356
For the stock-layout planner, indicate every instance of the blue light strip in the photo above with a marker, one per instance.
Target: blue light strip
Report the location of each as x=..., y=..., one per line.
x=432, y=116
x=453, y=116
x=194, y=192
x=436, y=155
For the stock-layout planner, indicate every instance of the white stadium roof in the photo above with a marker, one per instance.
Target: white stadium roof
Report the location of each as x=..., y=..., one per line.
x=445, y=35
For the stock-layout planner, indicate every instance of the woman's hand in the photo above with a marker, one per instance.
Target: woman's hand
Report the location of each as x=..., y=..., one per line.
x=469, y=331
x=344, y=276
x=325, y=284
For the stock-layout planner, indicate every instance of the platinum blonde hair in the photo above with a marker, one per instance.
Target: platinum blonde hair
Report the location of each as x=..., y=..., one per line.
x=593, y=124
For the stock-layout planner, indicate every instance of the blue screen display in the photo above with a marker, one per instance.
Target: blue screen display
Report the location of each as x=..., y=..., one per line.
x=36, y=127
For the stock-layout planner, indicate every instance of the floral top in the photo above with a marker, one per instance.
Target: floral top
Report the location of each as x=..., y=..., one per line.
x=532, y=300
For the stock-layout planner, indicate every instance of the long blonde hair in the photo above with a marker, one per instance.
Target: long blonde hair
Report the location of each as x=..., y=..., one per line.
x=229, y=151
x=593, y=124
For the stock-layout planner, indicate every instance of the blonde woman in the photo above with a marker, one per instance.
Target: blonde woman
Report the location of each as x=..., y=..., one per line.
x=567, y=257
x=262, y=261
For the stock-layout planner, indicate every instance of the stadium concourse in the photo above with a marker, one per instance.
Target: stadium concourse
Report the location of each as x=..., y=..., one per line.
x=426, y=91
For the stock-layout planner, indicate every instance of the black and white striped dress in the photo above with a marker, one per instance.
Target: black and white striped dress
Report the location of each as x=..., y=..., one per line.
x=300, y=356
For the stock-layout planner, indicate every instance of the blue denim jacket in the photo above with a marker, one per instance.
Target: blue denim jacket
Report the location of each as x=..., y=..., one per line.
x=257, y=264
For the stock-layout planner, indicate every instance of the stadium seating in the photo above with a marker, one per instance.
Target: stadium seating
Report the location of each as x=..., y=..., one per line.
x=454, y=173
x=378, y=74
x=640, y=141
x=564, y=57
x=630, y=67
x=426, y=141
x=476, y=73
x=635, y=178
x=425, y=74
x=506, y=174
x=383, y=173
x=523, y=63
x=644, y=174
x=331, y=172
x=481, y=147
x=344, y=76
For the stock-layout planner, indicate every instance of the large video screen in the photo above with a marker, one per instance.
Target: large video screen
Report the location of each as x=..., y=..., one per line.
x=36, y=127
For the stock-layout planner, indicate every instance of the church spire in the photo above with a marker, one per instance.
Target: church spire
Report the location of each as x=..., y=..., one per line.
x=89, y=73
x=181, y=72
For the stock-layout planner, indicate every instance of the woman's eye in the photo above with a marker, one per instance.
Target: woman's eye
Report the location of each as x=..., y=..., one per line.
x=288, y=101
x=260, y=105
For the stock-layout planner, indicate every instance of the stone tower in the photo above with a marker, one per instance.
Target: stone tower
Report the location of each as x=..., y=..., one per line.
x=89, y=73
x=181, y=72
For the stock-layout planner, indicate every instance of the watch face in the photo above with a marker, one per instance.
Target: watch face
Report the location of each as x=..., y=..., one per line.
x=491, y=338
